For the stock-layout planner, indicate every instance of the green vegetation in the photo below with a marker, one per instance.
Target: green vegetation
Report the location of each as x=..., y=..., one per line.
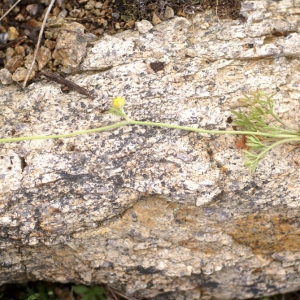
x=89, y=292
x=261, y=127
x=42, y=290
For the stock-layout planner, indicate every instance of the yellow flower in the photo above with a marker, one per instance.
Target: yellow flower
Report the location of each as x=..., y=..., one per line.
x=118, y=102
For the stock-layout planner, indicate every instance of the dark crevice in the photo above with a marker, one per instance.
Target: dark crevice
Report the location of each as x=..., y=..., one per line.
x=23, y=163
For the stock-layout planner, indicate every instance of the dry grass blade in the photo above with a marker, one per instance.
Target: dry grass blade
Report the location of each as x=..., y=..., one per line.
x=120, y=294
x=12, y=7
x=39, y=42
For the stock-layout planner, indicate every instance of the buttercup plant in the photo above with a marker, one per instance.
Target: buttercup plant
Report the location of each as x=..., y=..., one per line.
x=261, y=127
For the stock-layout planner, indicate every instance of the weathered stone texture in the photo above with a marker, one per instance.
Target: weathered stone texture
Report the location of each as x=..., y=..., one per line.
x=157, y=212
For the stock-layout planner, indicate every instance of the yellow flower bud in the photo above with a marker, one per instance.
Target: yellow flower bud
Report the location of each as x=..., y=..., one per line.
x=118, y=102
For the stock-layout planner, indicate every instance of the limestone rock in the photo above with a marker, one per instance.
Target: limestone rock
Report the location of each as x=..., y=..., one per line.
x=158, y=212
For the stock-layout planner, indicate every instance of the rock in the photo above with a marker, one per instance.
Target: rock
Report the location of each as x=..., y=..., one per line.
x=143, y=26
x=28, y=61
x=158, y=213
x=12, y=33
x=32, y=9
x=169, y=13
x=21, y=73
x=43, y=57
x=54, y=22
x=70, y=34
x=5, y=76
x=155, y=19
x=14, y=63
x=50, y=44
x=90, y=5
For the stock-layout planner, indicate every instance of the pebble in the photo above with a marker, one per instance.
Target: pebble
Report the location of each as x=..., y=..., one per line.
x=90, y=5
x=20, y=74
x=12, y=33
x=43, y=57
x=169, y=13
x=14, y=63
x=71, y=34
x=50, y=44
x=5, y=76
x=32, y=9
x=155, y=19
x=20, y=50
x=28, y=60
x=143, y=26
x=10, y=52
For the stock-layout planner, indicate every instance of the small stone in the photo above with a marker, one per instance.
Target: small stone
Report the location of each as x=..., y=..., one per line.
x=14, y=63
x=70, y=34
x=3, y=38
x=155, y=19
x=34, y=23
x=55, y=22
x=43, y=57
x=169, y=13
x=19, y=17
x=115, y=15
x=90, y=5
x=63, y=13
x=50, y=44
x=20, y=50
x=55, y=11
x=21, y=73
x=98, y=31
x=32, y=9
x=97, y=12
x=13, y=33
x=90, y=37
x=143, y=26
x=5, y=76
x=98, y=5
x=74, y=13
x=10, y=52
x=28, y=60
x=130, y=24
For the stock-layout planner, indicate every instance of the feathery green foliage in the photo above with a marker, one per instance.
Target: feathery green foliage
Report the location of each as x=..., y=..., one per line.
x=261, y=118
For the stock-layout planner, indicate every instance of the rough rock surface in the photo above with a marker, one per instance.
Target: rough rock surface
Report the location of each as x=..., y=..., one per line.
x=157, y=212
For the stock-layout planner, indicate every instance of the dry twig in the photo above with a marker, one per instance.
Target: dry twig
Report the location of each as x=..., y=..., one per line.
x=57, y=78
x=39, y=42
x=9, y=10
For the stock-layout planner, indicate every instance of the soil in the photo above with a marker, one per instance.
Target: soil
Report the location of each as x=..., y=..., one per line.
x=19, y=29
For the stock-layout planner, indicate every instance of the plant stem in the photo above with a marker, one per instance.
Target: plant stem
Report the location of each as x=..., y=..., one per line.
x=65, y=135
x=236, y=132
x=289, y=140
x=293, y=136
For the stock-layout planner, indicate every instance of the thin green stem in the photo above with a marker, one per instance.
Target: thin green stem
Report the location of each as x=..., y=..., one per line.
x=282, y=123
x=236, y=132
x=146, y=123
x=65, y=135
x=263, y=153
x=252, y=163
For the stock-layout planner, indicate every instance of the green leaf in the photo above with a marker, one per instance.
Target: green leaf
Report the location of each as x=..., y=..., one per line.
x=80, y=289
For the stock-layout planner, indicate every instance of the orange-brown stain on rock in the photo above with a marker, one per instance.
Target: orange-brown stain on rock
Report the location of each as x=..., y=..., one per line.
x=266, y=232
